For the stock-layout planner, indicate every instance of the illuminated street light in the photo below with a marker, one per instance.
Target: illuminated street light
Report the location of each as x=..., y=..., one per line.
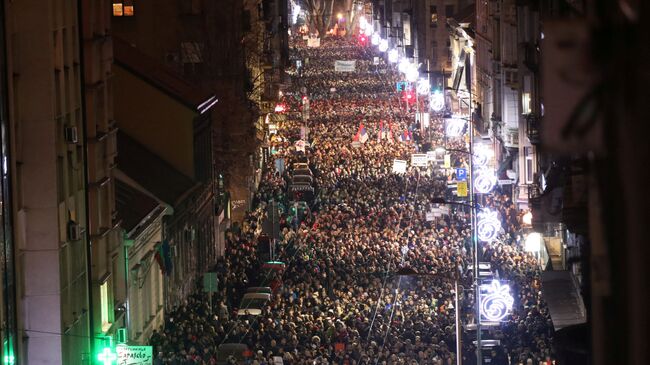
x=392, y=56
x=527, y=219
x=383, y=45
x=339, y=16
x=403, y=65
x=374, y=39
x=533, y=242
x=412, y=73
x=437, y=101
x=423, y=86
x=362, y=23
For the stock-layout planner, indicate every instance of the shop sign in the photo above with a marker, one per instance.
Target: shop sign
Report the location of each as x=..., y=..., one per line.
x=134, y=355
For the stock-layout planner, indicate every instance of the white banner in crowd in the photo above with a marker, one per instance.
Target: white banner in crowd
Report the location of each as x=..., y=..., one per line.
x=345, y=66
x=419, y=159
x=430, y=216
x=399, y=166
x=300, y=145
x=313, y=42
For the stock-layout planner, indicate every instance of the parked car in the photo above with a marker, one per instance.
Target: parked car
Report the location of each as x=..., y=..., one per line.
x=302, y=179
x=235, y=351
x=259, y=289
x=253, y=303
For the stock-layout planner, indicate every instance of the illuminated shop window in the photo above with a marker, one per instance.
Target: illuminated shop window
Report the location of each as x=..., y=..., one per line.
x=105, y=307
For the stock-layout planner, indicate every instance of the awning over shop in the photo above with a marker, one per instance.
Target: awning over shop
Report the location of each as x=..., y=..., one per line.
x=560, y=291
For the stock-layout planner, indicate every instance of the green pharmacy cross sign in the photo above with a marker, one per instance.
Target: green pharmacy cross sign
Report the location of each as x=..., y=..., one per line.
x=107, y=357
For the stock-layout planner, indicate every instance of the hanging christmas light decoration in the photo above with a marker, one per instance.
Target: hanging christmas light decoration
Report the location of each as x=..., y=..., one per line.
x=393, y=56
x=437, y=101
x=383, y=45
x=423, y=86
x=484, y=180
x=455, y=127
x=488, y=225
x=496, y=301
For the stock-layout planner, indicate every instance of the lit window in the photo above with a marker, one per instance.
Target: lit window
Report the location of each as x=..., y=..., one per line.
x=525, y=103
x=103, y=291
x=128, y=10
x=118, y=9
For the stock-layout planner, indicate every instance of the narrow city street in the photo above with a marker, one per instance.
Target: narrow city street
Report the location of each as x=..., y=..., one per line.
x=366, y=262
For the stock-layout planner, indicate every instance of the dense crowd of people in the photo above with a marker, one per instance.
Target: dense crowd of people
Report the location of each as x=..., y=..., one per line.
x=340, y=299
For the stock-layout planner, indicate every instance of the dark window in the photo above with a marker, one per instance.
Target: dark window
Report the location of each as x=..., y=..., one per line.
x=449, y=10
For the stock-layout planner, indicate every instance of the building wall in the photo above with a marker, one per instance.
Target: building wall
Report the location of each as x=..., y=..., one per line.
x=170, y=133
x=101, y=152
x=145, y=282
x=45, y=96
x=8, y=332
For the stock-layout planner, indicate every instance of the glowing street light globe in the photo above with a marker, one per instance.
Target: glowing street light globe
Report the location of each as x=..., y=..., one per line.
x=403, y=65
x=527, y=218
x=363, y=23
x=383, y=45
x=392, y=56
x=412, y=74
x=423, y=86
x=533, y=242
x=374, y=39
x=437, y=101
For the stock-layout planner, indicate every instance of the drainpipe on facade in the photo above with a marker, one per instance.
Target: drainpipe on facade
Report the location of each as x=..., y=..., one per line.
x=84, y=118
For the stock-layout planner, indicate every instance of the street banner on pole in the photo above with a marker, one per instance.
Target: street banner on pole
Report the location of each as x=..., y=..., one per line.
x=447, y=163
x=134, y=355
x=345, y=66
x=461, y=188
